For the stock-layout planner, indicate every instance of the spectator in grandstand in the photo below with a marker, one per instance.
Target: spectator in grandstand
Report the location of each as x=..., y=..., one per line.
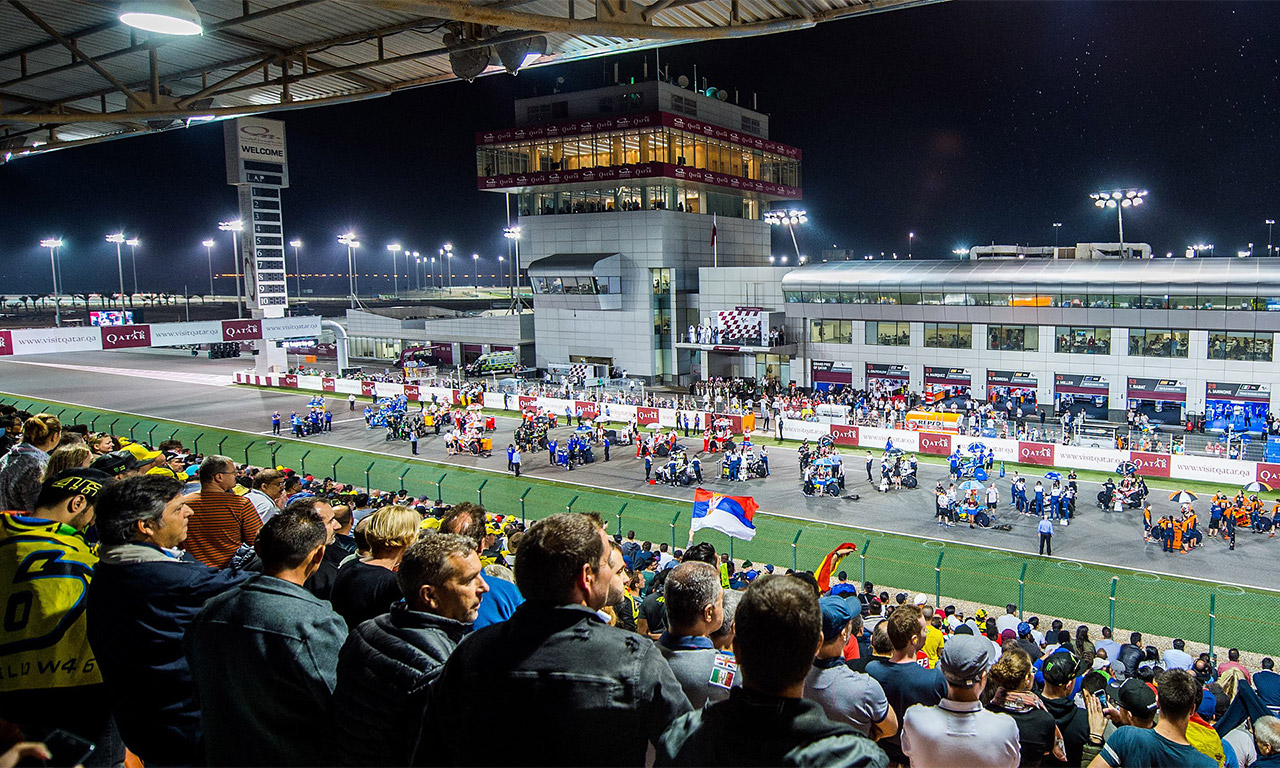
x=22, y=468
x=281, y=641
x=555, y=661
x=1266, y=736
x=387, y=663
x=267, y=493
x=144, y=594
x=367, y=588
x=653, y=609
x=1177, y=657
x=846, y=696
x=695, y=608
x=1129, y=656
x=1083, y=646
x=503, y=597
x=1177, y=696
x=904, y=681
x=170, y=464
x=222, y=522
x=722, y=638
x=1233, y=662
x=1009, y=620
x=958, y=731
x=766, y=721
x=66, y=457
x=1008, y=690
x=1078, y=734
x=1267, y=682
x=146, y=457
x=38, y=681
x=12, y=423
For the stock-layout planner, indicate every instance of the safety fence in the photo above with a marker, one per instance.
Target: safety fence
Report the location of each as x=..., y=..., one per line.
x=1216, y=615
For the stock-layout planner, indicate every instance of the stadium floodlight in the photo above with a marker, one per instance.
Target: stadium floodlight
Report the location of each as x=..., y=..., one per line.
x=133, y=244
x=118, y=239
x=395, y=249
x=296, y=245
x=790, y=219
x=349, y=239
x=235, y=227
x=1119, y=199
x=53, y=244
x=167, y=17
x=208, y=250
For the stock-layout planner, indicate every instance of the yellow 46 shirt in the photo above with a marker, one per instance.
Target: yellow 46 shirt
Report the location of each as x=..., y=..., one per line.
x=45, y=568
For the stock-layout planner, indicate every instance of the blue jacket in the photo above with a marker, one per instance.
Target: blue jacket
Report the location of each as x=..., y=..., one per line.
x=499, y=603
x=141, y=601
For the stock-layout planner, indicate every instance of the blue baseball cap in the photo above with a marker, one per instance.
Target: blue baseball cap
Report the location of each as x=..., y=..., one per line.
x=1024, y=629
x=835, y=616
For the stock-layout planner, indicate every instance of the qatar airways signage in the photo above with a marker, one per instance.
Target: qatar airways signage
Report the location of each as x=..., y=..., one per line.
x=1151, y=464
x=125, y=336
x=935, y=443
x=844, y=434
x=1036, y=453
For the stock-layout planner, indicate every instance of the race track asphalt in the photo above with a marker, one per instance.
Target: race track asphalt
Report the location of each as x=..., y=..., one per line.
x=173, y=385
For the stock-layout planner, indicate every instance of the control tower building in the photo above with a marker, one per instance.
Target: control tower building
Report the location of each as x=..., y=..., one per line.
x=623, y=193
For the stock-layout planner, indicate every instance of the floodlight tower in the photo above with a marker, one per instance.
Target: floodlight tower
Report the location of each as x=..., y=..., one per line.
x=1119, y=199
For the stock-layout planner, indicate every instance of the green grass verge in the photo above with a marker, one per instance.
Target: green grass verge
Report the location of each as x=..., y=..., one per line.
x=1246, y=618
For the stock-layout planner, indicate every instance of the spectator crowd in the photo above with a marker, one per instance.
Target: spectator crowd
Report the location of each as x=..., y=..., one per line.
x=192, y=611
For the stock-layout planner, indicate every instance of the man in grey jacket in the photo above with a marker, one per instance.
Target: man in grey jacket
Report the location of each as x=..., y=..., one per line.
x=388, y=662
x=556, y=662
x=695, y=609
x=264, y=656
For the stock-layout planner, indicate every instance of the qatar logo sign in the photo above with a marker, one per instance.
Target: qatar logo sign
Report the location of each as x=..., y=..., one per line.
x=589, y=410
x=647, y=416
x=932, y=442
x=328, y=384
x=527, y=402
x=1269, y=474
x=1150, y=464
x=842, y=434
x=1036, y=453
x=125, y=336
x=6, y=343
x=241, y=330
x=412, y=392
x=290, y=380
x=368, y=388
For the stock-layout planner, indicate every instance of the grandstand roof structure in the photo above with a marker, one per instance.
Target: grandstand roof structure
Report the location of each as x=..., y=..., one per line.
x=71, y=73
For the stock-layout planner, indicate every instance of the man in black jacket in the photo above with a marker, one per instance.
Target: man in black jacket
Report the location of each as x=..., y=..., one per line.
x=387, y=663
x=556, y=662
x=144, y=595
x=1130, y=654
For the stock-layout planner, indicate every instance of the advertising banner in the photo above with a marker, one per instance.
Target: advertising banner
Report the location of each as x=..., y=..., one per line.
x=829, y=372
x=1215, y=470
x=844, y=434
x=935, y=443
x=589, y=409
x=899, y=373
x=125, y=336
x=1075, y=384
x=952, y=377
x=876, y=438
x=527, y=402
x=290, y=380
x=795, y=429
x=411, y=392
x=368, y=388
x=6, y=343
x=1012, y=379
x=1246, y=393
x=647, y=416
x=1036, y=453
x=1268, y=473
x=290, y=327
x=1102, y=460
x=1169, y=390
x=1151, y=464
x=177, y=334
x=41, y=340
x=241, y=330
x=328, y=384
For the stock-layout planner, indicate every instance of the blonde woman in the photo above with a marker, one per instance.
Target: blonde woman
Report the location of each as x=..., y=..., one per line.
x=23, y=466
x=75, y=456
x=367, y=587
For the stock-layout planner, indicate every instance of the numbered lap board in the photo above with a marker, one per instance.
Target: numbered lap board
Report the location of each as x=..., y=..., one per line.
x=258, y=167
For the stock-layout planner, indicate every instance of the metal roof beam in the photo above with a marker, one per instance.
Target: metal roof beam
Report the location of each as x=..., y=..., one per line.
x=70, y=45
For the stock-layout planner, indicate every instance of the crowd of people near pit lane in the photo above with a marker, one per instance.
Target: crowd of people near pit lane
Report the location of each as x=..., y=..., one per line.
x=251, y=616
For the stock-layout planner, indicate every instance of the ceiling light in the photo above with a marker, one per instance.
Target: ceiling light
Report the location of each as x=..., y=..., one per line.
x=167, y=17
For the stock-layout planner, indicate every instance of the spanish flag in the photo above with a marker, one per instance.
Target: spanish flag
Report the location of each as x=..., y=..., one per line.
x=831, y=562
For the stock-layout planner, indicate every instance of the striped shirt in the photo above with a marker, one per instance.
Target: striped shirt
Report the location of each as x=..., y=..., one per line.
x=221, y=523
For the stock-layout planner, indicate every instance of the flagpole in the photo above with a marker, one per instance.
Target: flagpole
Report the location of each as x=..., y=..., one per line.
x=715, y=245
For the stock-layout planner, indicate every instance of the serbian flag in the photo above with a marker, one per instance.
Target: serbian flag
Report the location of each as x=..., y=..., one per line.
x=730, y=515
x=831, y=562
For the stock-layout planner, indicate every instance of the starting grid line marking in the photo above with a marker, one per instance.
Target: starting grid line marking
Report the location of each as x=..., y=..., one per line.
x=669, y=500
x=185, y=377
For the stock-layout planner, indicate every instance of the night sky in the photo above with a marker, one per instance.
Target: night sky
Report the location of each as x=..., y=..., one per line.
x=966, y=123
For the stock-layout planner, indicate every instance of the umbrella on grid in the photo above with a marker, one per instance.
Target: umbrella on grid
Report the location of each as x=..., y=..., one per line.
x=1182, y=497
x=1126, y=468
x=976, y=448
x=1256, y=487
x=970, y=485
x=1053, y=475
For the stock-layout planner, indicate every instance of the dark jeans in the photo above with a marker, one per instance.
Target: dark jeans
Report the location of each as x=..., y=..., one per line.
x=1046, y=544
